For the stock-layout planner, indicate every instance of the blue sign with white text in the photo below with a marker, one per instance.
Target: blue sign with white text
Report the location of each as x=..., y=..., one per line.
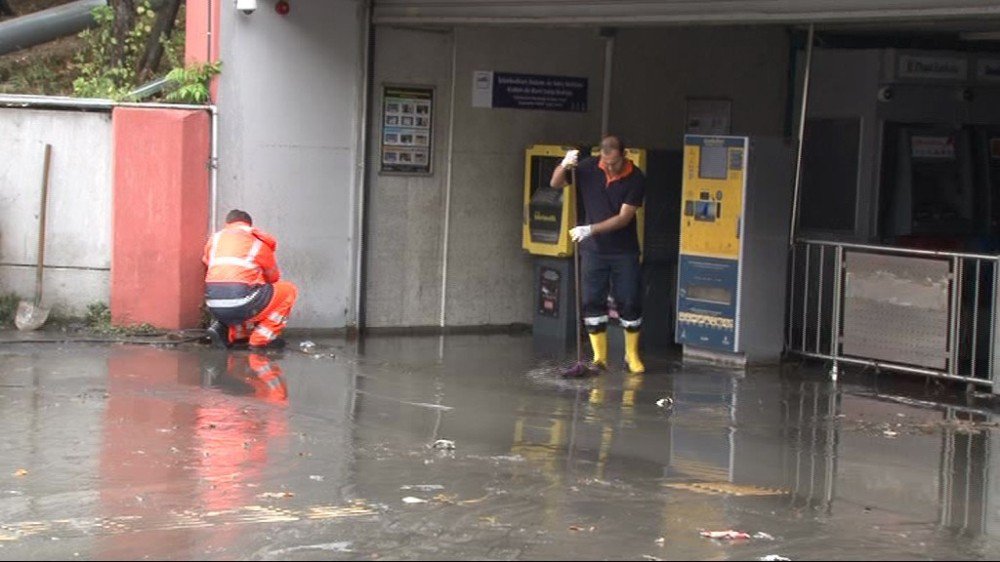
x=537, y=91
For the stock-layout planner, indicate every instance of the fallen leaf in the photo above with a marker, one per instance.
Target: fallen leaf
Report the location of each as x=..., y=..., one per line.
x=21, y=472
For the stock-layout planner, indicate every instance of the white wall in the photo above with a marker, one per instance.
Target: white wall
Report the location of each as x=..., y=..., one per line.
x=489, y=277
x=404, y=243
x=489, y=280
x=289, y=115
x=78, y=233
x=656, y=70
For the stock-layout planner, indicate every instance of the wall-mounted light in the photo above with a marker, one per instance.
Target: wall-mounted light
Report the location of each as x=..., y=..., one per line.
x=246, y=6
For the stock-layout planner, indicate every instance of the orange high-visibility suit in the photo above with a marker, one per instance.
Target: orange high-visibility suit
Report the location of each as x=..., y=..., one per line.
x=243, y=287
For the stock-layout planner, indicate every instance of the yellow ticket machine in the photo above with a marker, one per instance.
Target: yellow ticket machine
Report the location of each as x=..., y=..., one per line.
x=548, y=215
x=735, y=207
x=547, y=211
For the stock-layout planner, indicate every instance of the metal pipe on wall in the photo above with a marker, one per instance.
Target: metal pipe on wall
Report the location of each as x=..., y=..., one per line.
x=44, y=26
x=362, y=182
x=802, y=129
x=447, y=183
x=213, y=168
x=609, y=57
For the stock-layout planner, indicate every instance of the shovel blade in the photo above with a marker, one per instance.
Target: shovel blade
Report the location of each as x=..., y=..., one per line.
x=30, y=316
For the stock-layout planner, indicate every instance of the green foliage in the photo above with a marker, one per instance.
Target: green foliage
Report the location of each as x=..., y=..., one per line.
x=98, y=319
x=98, y=314
x=190, y=83
x=93, y=65
x=8, y=307
x=46, y=74
x=99, y=74
x=108, y=70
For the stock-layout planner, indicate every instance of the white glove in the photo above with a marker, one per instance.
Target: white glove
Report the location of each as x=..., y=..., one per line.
x=580, y=233
x=569, y=161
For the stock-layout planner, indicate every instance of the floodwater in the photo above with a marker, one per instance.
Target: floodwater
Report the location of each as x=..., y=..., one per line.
x=131, y=452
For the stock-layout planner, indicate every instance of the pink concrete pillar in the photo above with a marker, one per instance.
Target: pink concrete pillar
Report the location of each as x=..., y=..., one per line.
x=161, y=200
x=201, y=39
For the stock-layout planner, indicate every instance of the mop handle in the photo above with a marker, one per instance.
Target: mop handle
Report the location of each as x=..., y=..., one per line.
x=576, y=270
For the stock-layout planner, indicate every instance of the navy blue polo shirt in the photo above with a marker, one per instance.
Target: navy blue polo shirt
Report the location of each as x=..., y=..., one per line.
x=603, y=199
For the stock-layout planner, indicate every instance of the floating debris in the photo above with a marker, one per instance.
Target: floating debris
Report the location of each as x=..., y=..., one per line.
x=726, y=535
x=422, y=487
x=763, y=536
x=445, y=444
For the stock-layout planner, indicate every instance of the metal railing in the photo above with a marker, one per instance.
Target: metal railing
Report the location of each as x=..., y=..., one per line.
x=816, y=300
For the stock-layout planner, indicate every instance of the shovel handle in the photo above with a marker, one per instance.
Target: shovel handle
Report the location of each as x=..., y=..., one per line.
x=41, y=225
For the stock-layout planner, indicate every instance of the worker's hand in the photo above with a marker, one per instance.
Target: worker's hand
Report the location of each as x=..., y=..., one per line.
x=569, y=161
x=580, y=233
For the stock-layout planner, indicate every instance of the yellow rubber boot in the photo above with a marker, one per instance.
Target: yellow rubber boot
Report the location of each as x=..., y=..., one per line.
x=632, y=352
x=599, y=343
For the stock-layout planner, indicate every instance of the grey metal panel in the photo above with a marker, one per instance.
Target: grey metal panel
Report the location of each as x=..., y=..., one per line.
x=844, y=84
x=610, y=12
x=767, y=212
x=829, y=172
x=994, y=370
x=294, y=165
x=896, y=309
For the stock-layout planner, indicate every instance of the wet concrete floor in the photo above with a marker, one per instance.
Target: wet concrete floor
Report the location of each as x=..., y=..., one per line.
x=131, y=452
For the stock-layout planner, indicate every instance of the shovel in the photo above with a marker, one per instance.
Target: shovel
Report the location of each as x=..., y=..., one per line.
x=31, y=315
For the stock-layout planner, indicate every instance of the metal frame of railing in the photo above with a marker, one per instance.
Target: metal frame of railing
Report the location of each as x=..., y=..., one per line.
x=815, y=312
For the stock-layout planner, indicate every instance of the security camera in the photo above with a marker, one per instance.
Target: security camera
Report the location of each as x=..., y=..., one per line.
x=246, y=6
x=885, y=93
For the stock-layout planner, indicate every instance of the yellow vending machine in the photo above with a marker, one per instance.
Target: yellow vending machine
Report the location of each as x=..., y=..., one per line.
x=547, y=211
x=548, y=215
x=735, y=210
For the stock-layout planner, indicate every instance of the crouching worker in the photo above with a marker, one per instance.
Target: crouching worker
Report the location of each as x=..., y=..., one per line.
x=243, y=287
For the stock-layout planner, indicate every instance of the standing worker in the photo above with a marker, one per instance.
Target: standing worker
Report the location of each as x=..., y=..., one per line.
x=612, y=190
x=243, y=287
